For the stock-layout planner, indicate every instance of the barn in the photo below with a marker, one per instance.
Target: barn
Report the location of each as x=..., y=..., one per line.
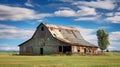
x=53, y=39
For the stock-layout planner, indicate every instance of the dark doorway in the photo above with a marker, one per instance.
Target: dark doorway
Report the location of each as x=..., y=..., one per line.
x=66, y=49
x=85, y=50
x=41, y=51
x=60, y=48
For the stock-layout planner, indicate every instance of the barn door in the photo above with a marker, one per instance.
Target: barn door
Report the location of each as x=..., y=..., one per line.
x=41, y=51
x=85, y=50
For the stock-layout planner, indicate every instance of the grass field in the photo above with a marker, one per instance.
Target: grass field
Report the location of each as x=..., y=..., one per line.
x=111, y=60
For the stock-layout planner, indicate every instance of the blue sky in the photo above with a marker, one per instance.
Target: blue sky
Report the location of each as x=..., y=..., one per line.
x=19, y=19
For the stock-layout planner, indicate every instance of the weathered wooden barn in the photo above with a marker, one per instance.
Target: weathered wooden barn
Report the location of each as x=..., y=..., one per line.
x=52, y=39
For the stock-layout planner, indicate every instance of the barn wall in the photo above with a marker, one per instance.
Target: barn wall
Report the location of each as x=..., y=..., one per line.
x=83, y=49
x=47, y=42
x=28, y=47
x=41, y=39
x=78, y=49
x=51, y=46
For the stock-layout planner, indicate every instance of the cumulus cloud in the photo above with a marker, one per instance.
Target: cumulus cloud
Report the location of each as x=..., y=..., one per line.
x=15, y=13
x=65, y=8
x=43, y=15
x=117, y=13
x=66, y=0
x=105, y=4
x=18, y=13
x=67, y=12
x=84, y=11
x=109, y=14
x=114, y=19
x=2, y=26
x=115, y=35
x=11, y=32
x=114, y=38
x=114, y=45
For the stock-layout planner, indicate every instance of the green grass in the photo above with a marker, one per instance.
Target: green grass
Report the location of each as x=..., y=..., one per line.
x=111, y=60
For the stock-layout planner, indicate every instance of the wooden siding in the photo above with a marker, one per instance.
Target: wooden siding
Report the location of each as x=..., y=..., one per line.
x=83, y=49
x=41, y=39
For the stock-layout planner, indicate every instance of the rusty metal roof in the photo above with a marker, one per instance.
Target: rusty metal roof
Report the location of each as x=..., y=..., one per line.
x=68, y=34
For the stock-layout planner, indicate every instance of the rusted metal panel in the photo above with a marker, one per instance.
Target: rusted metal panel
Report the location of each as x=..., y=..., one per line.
x=68, y=34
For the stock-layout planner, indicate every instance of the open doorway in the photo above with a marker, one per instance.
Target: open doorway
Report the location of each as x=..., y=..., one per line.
x=85, y=50
x=64, y=49
x=41, y=51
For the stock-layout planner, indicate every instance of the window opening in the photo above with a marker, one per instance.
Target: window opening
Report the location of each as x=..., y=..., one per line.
x=42, y=28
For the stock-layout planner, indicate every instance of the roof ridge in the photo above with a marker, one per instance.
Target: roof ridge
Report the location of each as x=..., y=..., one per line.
x=63, y=27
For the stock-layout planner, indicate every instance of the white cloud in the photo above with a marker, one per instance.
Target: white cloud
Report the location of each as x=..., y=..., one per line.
x=7, y=13
x=15, y=13
x=114, y=19
x=86, y=11
x=65, y=13
x=114, y=38
x=105, y=4
x=39, y=20
x=109, y=14
x=115, y=35
x=2, y=26
x=85, y=18
x=28, y=3
x=114, y=45
x=43, y=15
x=8, y=47
x=65, y=8
x=117, y=13
x=18, y=13
x=67, y=0
x=11, y=32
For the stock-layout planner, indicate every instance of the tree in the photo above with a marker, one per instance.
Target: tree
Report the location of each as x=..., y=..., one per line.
x=103, y=39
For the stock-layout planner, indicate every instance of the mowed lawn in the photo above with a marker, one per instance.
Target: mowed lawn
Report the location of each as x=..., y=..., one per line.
x=7, y=60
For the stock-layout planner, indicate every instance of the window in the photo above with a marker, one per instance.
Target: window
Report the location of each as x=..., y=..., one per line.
x=78, y=50
x=42, y=28
x=59, y=30
x=54, y=35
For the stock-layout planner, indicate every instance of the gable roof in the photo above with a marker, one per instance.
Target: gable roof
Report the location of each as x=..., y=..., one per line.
x=65, y=34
